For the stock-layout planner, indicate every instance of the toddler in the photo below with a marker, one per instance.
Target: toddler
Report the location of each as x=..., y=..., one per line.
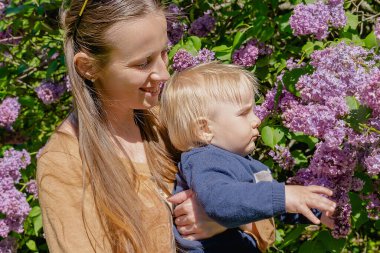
x=208, y=111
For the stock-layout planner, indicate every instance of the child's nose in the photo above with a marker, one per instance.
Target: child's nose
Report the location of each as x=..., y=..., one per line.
x=256, y=122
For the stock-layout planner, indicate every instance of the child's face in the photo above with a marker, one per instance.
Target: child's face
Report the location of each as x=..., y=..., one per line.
x=235, y=126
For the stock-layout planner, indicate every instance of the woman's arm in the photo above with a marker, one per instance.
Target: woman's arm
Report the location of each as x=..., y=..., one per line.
x=60, y=194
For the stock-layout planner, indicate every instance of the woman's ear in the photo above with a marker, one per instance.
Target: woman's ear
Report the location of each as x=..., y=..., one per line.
x=204, y=130
x=85, y=66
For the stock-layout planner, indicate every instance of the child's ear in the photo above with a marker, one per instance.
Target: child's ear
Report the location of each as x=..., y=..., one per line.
x=204, y=130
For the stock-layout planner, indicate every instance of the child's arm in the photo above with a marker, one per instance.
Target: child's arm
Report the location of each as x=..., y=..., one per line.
x=231, y=203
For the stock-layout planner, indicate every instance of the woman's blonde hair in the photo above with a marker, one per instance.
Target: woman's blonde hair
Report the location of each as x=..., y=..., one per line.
x=114, y=186
x=193, y=93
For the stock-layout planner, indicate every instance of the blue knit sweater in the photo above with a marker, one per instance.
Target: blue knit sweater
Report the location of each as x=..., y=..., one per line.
x=233, y=190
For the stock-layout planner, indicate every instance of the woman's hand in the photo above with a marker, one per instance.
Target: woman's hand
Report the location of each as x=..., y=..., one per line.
x=190, y=218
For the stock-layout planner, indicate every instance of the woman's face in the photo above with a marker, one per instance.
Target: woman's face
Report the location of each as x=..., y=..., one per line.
x=137, y=64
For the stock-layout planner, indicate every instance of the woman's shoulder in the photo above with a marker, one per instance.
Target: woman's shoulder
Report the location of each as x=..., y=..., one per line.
x=63, y=140
x=60, y=155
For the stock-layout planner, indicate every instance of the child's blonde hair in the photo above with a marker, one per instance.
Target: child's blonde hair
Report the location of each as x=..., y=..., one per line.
x=191, y=94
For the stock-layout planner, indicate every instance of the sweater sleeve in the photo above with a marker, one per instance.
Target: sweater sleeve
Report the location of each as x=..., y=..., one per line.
x=61, y=198
x=226, y=199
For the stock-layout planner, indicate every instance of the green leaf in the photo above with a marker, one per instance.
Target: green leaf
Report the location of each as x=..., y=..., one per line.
x=313, y=246
x=352, y=20
x=31, y=245
x=292, y=236
x=359, y=219
x=271, y=136
x=370, y=41
x=330, y=243
x=291, y=78
x=301, y=137
x=37, y=223
x=310, y=47
x=197, y=43
x=36, y=210
x=352, y=103
x=237, y=40
x=266, y=34
x=299, y=158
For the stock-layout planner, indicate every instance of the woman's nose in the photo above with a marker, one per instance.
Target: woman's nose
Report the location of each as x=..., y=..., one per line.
x=160, y=71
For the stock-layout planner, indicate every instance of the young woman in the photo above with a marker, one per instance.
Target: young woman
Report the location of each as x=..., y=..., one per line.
x=107, y=170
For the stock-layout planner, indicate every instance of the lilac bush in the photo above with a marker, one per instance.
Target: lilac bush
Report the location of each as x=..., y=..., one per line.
x=321, y=110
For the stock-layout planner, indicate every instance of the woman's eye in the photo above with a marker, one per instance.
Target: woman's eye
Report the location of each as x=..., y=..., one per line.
x=143, y=65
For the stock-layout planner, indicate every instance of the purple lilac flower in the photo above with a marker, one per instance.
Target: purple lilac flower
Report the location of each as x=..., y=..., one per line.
x=357, y=184
x=174, y=9
x=8, y=245
x=310, y=19
x=332, y=167
x=205, y=55
x=176, y=30
x=9, y=111
x=311, y=119
x=291, y=63
x=49, y=92
x=246, y=55
x=13, y=203
x=202, y=26
x=31, y=187
x=263, y=48
x=67, y=83
x=370, y=92
x=315, y=18
x=183, y=59
x=282, y=156
x=334, y=137
x=373, y=206
x=372, y=163
x=377, y=28
x=263, y=110
x=338, y=17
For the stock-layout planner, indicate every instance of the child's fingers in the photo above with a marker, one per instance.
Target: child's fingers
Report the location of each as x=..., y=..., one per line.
x=184, y=208
x=322, y=203
x=309, y=215
x=188, y=230
x=320, y=190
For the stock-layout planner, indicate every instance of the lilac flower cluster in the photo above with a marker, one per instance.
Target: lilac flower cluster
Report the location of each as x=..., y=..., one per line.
x=176, y=29
x=340, y=71
x=291, y=64
x=31, y=187
x=283, y=157
x=13, y=203
x=246, y=55
x=49, y=92
x=203, y=26
x=183, y=59
x=372, y=162
x=373, y=205
x=316, y=18
x=369, y=93
x=377, y=29
x=8, y=245
x=9, y=111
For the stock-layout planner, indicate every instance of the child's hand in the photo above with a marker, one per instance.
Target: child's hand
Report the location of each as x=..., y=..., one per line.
x=327, y=220
x=299, y=199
